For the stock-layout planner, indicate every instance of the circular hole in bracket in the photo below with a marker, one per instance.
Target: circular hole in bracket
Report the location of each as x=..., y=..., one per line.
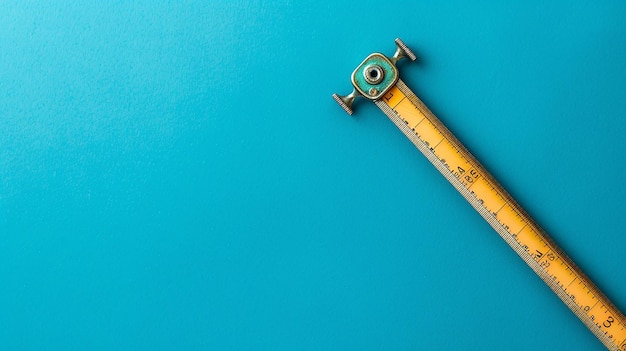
x=373, y=74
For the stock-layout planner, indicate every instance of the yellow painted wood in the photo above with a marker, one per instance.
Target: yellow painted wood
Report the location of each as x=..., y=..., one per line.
x=505, y=215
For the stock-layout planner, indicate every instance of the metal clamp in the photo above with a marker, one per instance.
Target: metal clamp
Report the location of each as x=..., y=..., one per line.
x=374, y=76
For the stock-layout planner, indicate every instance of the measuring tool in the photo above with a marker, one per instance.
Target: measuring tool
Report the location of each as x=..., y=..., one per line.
x=377, y=79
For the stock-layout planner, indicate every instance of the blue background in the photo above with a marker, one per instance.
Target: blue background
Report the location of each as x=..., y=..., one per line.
x=175, y=175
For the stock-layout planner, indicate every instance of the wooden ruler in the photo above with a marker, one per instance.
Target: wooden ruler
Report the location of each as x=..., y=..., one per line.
x=377, y=79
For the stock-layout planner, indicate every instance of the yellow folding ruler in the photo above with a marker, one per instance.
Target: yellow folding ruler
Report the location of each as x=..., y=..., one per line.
x=377, y=79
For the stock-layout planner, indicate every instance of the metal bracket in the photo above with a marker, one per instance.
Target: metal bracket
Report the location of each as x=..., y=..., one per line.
x=374, y=76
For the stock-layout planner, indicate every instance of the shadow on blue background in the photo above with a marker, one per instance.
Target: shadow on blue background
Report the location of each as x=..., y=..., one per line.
x=177, y=176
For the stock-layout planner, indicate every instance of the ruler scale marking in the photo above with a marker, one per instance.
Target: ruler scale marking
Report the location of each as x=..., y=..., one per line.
x=537, y=236
x=377, y=79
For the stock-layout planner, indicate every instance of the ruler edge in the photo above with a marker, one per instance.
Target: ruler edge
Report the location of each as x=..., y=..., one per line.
x=493, y=222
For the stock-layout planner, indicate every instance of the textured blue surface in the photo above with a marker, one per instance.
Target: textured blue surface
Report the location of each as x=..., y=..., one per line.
x=177, y=176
